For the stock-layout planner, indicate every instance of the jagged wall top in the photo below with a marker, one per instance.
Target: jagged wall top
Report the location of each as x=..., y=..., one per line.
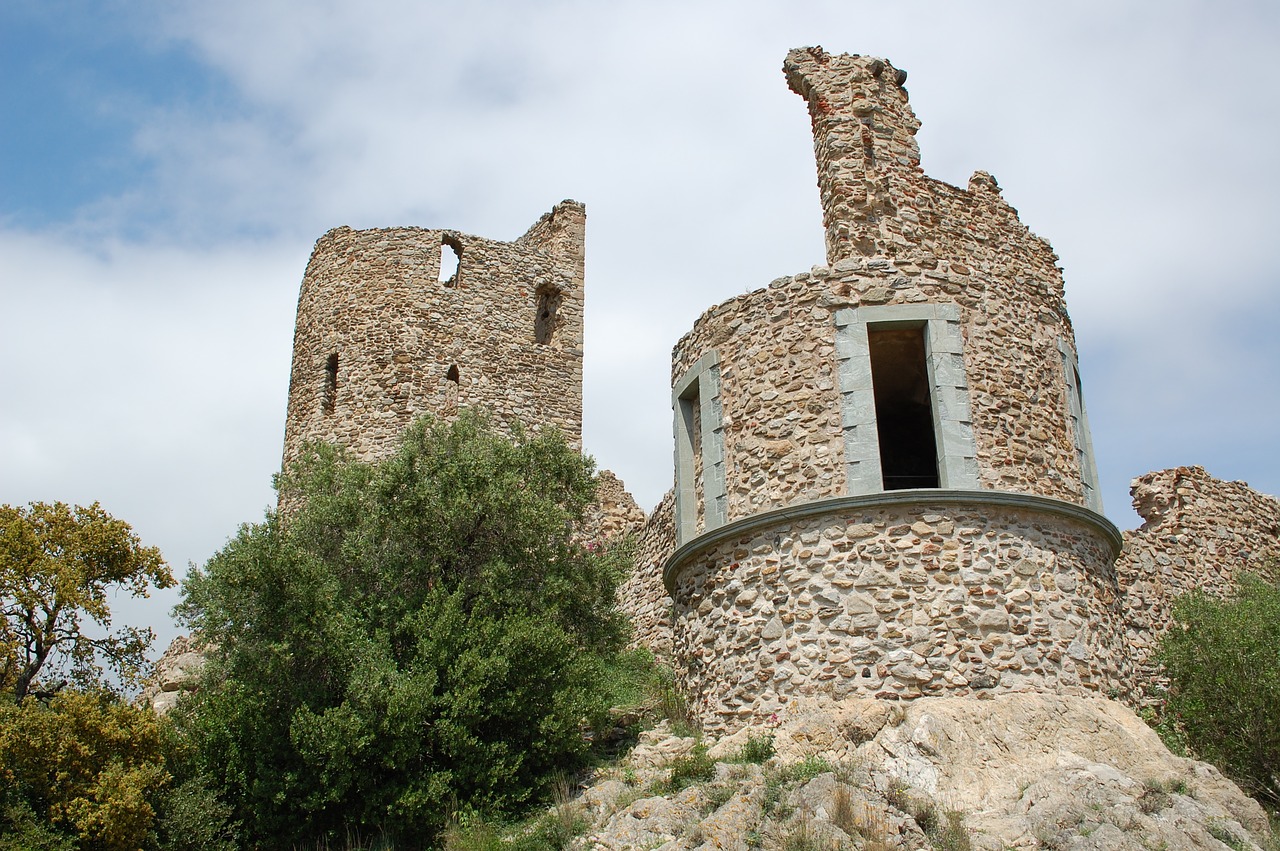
x=384, y=335
x=876, y=199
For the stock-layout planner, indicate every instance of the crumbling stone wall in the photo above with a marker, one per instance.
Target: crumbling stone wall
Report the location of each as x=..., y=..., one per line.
x=896, y=236
x=381, y=339
x=614, y=511
x=1199, y=533
x=642, y=596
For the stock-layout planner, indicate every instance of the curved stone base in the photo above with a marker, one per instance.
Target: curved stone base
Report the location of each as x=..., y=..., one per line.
x=896, y=595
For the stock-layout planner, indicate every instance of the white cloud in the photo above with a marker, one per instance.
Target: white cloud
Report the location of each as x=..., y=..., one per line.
x=153, y=372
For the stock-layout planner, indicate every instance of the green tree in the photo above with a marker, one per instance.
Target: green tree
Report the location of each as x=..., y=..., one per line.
x=1223, y=662
x=80, y=771
x=415, y=636
x=58, y=566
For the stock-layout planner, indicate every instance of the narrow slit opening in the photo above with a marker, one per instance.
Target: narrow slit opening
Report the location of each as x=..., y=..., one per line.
x=904, y=409
x=330, y=397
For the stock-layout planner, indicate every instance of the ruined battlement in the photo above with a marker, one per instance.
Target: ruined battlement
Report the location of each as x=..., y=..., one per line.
x=398, y=322
x=885, y=482
x=878, y=202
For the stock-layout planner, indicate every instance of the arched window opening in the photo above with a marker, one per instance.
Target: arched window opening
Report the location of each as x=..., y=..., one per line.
x=452, y=374
x=904, y=409
x=544, y=323
x=450, y=260
x=330, y=397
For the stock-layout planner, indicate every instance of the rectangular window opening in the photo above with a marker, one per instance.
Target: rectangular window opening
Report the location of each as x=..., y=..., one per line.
x=691, y=413
x=544, y=323
x=904, y=409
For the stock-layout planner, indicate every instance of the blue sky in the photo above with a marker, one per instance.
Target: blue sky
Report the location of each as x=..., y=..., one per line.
x=166, y=166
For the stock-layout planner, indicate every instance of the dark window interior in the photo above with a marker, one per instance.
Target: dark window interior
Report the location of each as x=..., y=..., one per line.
x=904, y=414
x=452, y=374
x=544, y=324
x=330, y=383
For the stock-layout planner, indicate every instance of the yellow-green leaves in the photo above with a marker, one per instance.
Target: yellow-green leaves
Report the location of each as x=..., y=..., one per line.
x=86, y=763
x=58, y=565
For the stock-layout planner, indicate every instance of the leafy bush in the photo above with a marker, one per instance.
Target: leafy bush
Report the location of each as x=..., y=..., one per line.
x=79, y=772
x=1223, y=663
x=190, y=817
x=22, y=830
x=413, y=638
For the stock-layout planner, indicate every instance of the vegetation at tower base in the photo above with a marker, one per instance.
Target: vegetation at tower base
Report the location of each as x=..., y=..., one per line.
x=1223, y=662
x=58, y=566
x=419, y=635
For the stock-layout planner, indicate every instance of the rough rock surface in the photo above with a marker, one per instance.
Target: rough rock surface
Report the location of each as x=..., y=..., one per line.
x=176, y=672
x=1013, y=771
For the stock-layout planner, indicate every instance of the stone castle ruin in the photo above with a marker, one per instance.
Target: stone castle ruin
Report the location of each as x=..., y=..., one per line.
x=884, y=480
x=397, y=322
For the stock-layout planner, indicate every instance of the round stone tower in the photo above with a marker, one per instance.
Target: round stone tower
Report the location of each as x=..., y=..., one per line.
x=884, y=478
x=397, y=322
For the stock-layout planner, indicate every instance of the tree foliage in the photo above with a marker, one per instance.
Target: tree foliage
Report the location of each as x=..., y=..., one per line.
x=414, y=636
x=1223, y=662
x=78, y=772
x=58, y=566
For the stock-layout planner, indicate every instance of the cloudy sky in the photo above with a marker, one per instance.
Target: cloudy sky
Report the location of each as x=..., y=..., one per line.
x=166, y=165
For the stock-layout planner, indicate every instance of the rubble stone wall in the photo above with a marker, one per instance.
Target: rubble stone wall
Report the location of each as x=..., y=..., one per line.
x=911, y=241
x=1200, y=533
x=613, y=513
x=932, y=242
x=380, y=339
x=828, y=581
x=642, y=596
x=898, y=600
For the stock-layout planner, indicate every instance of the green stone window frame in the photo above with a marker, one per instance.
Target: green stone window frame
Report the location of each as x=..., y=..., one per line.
x=948, y=390
x=1078, y=422
x=700, y=386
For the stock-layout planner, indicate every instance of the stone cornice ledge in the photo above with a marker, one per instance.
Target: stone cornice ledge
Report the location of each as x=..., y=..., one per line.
x=914, y=496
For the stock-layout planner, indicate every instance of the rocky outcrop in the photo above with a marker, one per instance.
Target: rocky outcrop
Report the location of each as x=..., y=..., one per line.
x=1011, y=771
x=176, y=672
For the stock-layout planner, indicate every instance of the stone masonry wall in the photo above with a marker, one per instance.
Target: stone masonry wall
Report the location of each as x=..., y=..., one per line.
x=868, y=595
x=1200, y=533
x=896, y=602
x=642, y=596
x=614, y=511
x=895, y=237
x=380, y=339
x=780, y=392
